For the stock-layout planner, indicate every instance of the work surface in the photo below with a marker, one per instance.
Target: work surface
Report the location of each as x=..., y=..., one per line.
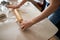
x=40, y=31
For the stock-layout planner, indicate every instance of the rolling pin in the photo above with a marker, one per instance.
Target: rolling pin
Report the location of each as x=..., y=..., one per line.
x=18, y=16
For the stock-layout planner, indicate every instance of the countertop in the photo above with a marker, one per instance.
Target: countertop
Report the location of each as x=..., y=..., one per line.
x=40, y=31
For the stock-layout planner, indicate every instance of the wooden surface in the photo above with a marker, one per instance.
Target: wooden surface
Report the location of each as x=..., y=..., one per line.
x=40, y=31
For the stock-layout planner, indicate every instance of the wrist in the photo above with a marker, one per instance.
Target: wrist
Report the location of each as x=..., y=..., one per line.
x=33, y=22
x=17, y=6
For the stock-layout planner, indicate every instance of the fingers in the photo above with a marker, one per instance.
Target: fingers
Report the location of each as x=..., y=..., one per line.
x=23, y=26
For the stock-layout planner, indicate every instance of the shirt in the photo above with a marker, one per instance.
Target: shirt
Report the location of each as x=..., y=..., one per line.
x=48, y=1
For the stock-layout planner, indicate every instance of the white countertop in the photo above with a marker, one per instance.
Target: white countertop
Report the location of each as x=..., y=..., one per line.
x=40, y=31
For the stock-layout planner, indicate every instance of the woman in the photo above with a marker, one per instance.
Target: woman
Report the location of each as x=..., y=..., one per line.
x=52, y=12
x=39, y=4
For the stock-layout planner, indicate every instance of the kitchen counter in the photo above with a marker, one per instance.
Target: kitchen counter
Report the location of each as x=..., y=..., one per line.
x=40, y=31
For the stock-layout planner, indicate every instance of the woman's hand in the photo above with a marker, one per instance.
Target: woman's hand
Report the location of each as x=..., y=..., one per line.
x=26, y=24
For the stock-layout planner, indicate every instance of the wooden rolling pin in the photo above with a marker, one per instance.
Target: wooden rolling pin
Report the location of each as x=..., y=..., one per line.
x=18, y=16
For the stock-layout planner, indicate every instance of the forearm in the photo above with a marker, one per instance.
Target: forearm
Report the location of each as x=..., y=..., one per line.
x=16, y=6
x=50, y=9
x=21, y=3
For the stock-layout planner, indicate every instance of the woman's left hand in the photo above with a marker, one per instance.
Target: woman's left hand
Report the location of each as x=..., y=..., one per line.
x=26, y=24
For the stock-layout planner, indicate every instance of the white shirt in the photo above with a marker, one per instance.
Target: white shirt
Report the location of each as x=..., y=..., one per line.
x=41, y=1
x=48, y=1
